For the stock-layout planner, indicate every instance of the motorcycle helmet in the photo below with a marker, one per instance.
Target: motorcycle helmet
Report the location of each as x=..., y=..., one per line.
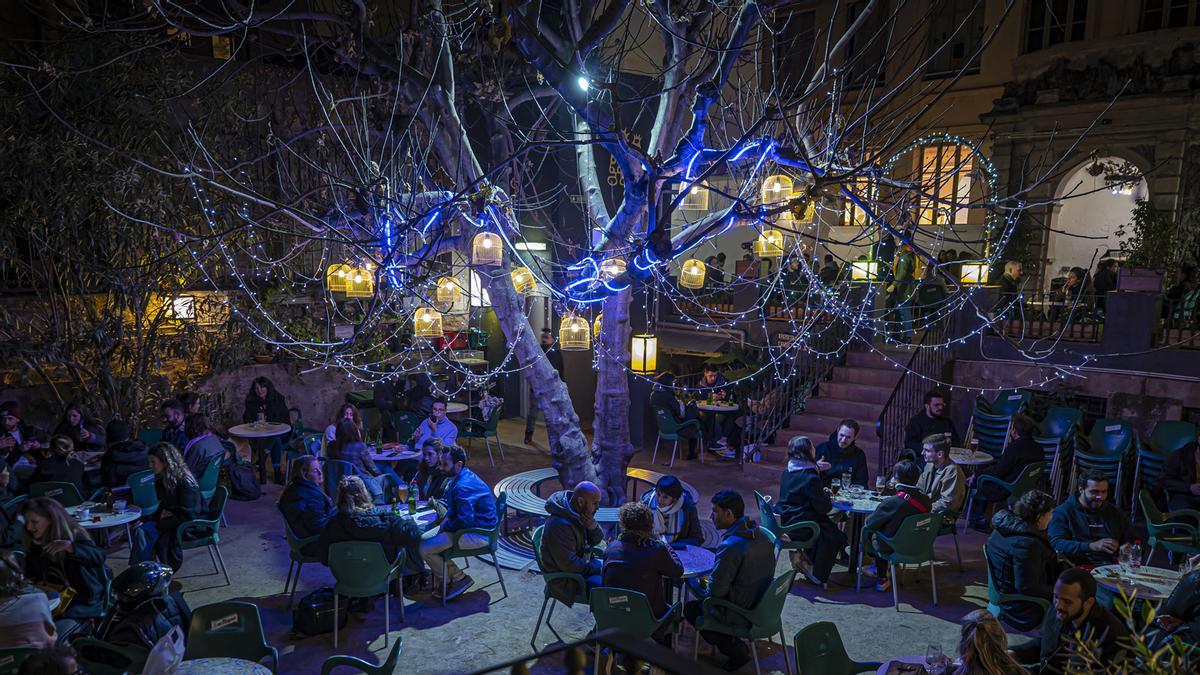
x=141, y=582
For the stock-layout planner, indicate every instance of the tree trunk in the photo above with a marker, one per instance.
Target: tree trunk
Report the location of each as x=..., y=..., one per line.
x=611, y=430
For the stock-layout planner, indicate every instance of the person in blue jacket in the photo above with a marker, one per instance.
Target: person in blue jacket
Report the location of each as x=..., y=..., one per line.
x=1088, y=529
x=304, y=504
x=469, y=505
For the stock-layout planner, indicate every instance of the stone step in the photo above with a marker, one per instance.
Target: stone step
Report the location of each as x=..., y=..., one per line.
x=820, y=426
x=875, y=377
x=860, y=411
x=867, y=359
x=855, y=392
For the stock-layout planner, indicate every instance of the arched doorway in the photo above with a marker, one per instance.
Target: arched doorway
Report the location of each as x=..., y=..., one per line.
x=1095, y=203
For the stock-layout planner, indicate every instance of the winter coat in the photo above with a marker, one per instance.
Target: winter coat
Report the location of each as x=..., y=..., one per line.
x=359, y=455
x=431, y=483
x=852, y=460
x=743, y=570
x=684, y=527
x=10, y=526
x=1055, y=644
x=82, y=569
x=946, y=487
x=642, y=566
x=1023, y=562
x=122, y=461
x=469, y=504
x=395, y=532
x=1019, y=454
x=567, y=547
x=887, y=518
x=200, y=451
x=175, y=436
x=306, y=508
x=94, y=444
x=1184, y=604
x=802, y=497
x=59, y=469
x=664, y=399
x=273, y=408
x=1070, y=533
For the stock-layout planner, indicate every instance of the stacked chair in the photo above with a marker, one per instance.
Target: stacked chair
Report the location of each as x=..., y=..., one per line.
x=991, y=420
x=1059, y=437
x=1110, y=447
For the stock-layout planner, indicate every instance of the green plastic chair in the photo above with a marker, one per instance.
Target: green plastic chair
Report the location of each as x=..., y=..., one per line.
x=386, y=668
x=580, y=597
x=819, y=650
x=13, y=503
x=361, y=570
x=799, y=536
x=11, y=658
x=670, y=430
x=911, y=545
x=1171, y=435
x=208, y=479
x=996, y=599
x=141, y=491
x=765, y=618
x=1174, y=532
x=1008, y=402
x=297, y=556
x=1060, y=421
x=229, y=629
x=1029, y=479
x=64, y=493
x=630, y=612
x=97, y=657
x=949, y=527
x=150, y=436
x=493, y=537
x=485, y=429
x=202, y=532
x=1111, y=438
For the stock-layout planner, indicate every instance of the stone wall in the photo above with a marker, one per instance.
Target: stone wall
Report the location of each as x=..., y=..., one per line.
x=316, y=394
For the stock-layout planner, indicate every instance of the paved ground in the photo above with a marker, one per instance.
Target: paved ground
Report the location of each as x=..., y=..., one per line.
x=483, y=627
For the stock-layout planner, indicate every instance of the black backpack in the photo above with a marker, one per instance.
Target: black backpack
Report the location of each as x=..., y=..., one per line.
x=314, y=614
x=243, y=483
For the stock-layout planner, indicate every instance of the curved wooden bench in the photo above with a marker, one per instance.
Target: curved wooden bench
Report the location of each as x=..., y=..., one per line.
x=524, y=494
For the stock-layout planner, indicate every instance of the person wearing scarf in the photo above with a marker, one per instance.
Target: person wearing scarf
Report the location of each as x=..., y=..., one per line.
x=676, y=519
x=640, y=562
x=803, y=498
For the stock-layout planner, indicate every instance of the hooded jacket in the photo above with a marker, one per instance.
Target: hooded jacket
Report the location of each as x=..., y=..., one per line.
x=642, y=565
x=743, y=570
x=1021, y=561
x=852, y=460
x=802, y=496
x=469, y=504
x=1184, y=604
x=395, y=533
x=683, y=525
x=199, y=452
x=122, y=461
x=1070, y=532
x=567, y=547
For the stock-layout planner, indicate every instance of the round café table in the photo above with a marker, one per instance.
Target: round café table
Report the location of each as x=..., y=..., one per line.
x=857, y=503
x=964, y=457
x=697, y=560
x=104, y=519
x=717, y=407
x=1151, y=584
x=223, y=665
x=911, y=664
x=254, y=430
x=456, y=408
x=396, y=454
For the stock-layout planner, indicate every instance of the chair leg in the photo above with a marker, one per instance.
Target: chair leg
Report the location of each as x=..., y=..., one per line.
x=754, y=653
x=956, y=553
x=496, y=562
x=858, y=570
x=335, y=620
x=223, y=568
x=674, y=449
x=933, y=582
x=538, y=625
x=488, y=444
x=895, y=584
x=288, y=580
x=500, y=444
x=696, y=646
x=553, y=604
x=443, y=582
x=213, y=556
x=787, y=663
x=654, y=457
x=701, y=444
x=387, y=617
x=295, y=583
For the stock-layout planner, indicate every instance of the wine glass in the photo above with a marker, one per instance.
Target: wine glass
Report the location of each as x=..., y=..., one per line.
x=880, y=483
x=1124, y=559
x=846, y=481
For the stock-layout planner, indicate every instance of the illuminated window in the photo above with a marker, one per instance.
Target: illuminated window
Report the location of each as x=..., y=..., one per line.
x=945, y=173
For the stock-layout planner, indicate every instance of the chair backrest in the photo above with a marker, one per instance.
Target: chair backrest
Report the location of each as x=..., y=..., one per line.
x=766, y=616
x=992, y=592
x=335, y=470
x=1010, y=401
x=141, y=491
x=64, y=493
x=1171, y=435
x=1029, y=479
x=13, y=503
x=913, y=542
x=150, y=436
x=536, y=538
x=1149, y=509
x=767, y=516
x=820, y=650
x=666, y=423
x=405, y=424
x=208, y=479
x=216, y=507
x=625, y=609
x=360, y=568
x=1061, y=421
x=386, y=668
x=229, y=629
x=11, y=658
x=1110, y=438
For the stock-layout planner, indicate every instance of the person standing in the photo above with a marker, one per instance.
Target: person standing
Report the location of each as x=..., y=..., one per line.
x=931, y=420
x=639, y=561
x=1087, y=528
x=469, y=505
x=803, y=497
x=179, y=500
x=567, y=540
x=901, y=290
x=554, y=356
x=265, y=403
x=1008, y=303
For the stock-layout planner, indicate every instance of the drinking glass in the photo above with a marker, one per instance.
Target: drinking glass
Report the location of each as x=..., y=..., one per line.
x=119, y=506
x=1124, y=560
x=880, y=483
x=262, y=418
x=933, y=658
x=846, y=481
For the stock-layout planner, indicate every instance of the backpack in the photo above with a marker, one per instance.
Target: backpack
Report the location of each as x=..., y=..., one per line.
x=314, y=614
x=243, y=484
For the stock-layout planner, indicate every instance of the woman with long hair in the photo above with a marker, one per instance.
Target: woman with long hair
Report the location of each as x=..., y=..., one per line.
x=264, y=403
x=802, y=497
x=431, y=480
x=25, y=619
x=59, y=463
x=346, y=411
x=59, y=552
x=983, y=647
x=179, y=500
x=81, y=428
x=304, y=503
x=358, y=519
x=349, y=447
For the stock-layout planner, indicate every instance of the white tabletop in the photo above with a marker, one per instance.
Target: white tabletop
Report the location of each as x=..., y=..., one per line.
x=454, y=408
x=397, y=454
x=106, y=518
x=220, y=666
x=1151, y=583
x=257, y=430
x=857, y=501
x=967, y=458
x=716, y=407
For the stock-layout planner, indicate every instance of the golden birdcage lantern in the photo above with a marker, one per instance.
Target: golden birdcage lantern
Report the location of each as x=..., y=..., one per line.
x=692, y=273
x=643, y=354
x=486, y=249
x=362, y=284
x=776, y=188
x=523, y=280
x=769, y=244
x=695, y=197
x=448, y=291
x=427, y=323
x=611, y=269
x=338, y=278
x=574, y=335
x=974, y=273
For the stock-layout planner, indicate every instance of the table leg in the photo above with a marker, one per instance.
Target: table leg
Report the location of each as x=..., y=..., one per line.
x=855, y=521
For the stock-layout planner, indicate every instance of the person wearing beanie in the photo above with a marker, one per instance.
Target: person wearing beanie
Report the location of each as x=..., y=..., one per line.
x=124, y=457
x=17, y=439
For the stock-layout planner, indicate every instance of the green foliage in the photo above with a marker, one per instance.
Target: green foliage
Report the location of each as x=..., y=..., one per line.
x=1153, y=240
x=1144, y=655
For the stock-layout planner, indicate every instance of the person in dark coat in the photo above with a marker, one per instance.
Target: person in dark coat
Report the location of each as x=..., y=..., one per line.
x=420, y=395
x=640, y=562
x=554, y=356
x=1104, y=280
x=663, y=398
x=1020, y=452
x=1180, y=478
x=349, y=448
x=674, y=512
x=1087, y=528
x=85, y=432
x=179, y=500
x=891, y=513
x=304, y=504
x=840, y=455
x=10, y=524
x=930, y=421
x=265, y=402
x=1179, y=616
x=358, y=519
x=173, y=419
x=431, y=482
x=1008, y=303
x=1076, y=612
x=803, y=497
x=743, y=570
x=59, y=464
x=1021, y=559
x=58, y=551
x=17, y=439
x=203, y=445
x=567, y=540
x=125, y=456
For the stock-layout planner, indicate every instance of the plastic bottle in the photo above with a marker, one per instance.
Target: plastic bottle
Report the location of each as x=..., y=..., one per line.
x=1135, y=555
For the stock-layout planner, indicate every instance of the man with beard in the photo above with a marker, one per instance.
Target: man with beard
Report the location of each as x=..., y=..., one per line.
x=1087, y=528
x=840, y=455
x=1077, y=618
x=931, y=420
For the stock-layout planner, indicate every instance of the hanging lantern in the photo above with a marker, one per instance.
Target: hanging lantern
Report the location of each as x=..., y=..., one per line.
x=611, y=269
x=695, y=197
x=596, y=325
x=523, y=280
x=427, y=323
x=864, y=270
x=337, y=278
x=974, y=273
x=362, y=284
x=769, y=244
x=777, y=188
x=691, y=274
x=486, y=249
x=643, y=354
x=574, y=335
x=448, y=291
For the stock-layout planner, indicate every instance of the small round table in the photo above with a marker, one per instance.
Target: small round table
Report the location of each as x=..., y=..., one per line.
x=398, y=454
x=223, y=665
x=1151, y=583
x=102, y=519
x=697, y=560
x=454, y=408
x=858, y=504
x=254, y=430
x=717, y=407
x=964, y=457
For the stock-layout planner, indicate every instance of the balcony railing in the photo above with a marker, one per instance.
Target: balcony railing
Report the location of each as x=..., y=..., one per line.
x=1181, y=322
x=1039, y=316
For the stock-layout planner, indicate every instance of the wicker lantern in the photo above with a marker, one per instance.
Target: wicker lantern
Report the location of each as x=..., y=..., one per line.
x=769, y=244
x=486, y=249
x=775, y=189
x=695, y=197
x=574, y=335
x=974, y=273
x=362, y=284
x=643, y=352
x=448, y=291
x=427, y=323
x=338, y=278
x=691, y=274
x=611, y=269
x=523, y=280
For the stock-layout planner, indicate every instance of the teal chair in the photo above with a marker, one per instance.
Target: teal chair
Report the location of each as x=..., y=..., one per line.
x=1110, y=444
x=11, y=658
x=386, y=668
x=819, y=650
x=361, y=570
x=949, y=527
x=1174, y=532
x=141, y=491
x=1007, y=402
x=630, y=612
x=150, y=436
x=797, y=536
x=1171, y=435
x=64, y=493
x=229, y=629
x=1059, y=435
x=911, y=545
x=297, y=556
x=11, y=505
x=485, y=429
x=991, y=431
x=405, y=424
x=1029, y=479
x=670, y=430
x=493, y=537
x=765, y=618
x=202, y=532
x=580, y=583
x=997, y=600
x=208, y=479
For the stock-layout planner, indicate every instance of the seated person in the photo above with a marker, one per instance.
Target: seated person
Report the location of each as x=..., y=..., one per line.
x=264, y=402
x=345, y=411
x=349, y=448
x=358, y=519
x=59, y=552
x=304, y=503
x=436, y=426
x=743, y=570
x=125, y=456
x=431, y=482
x=803, y=497
x=10, y=522
x=719, y=428
x=179, y=500
x=1180, y=478
x=1087, y=528
x=25, y=619
x=1021, y=558
x=909, y=500
x=1179, y=616
x=173, y=419
x=202, y=446
x=639, y=561
x=942, y=479
x=59, y=464
x=469, y=505
x=1020, y=452
x=567, y=540
x=983, y=647
x=85, y=432
x=676, y=519
x=840, y=455
x=663, y=398
x=190, y=401
x=419, y=395
x=53, y=660
x=1076, y=612
x=931, y=420
x=18, y=439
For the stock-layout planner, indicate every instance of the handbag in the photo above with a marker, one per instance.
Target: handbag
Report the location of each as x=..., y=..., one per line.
x=314, y=614
x=56, y=580
x=243, y=483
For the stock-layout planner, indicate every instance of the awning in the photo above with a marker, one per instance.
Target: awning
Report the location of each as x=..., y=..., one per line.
x=691, y=342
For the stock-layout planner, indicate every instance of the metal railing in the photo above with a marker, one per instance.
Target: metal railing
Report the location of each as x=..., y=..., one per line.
x=1181, y=322
x=627, y=653
x=927, y=362
x=1037, y=316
